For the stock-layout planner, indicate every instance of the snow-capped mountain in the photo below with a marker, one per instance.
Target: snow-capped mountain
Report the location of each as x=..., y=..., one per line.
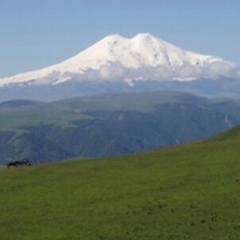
x=142, y=59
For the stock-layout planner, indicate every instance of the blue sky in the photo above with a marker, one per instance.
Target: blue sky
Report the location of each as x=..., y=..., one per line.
x=35, y=34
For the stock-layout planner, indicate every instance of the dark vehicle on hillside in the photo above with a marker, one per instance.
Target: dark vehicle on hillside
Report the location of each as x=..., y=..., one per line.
x=19, y=163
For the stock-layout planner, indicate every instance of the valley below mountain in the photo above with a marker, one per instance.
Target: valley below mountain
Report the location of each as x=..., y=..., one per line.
x=110, y=125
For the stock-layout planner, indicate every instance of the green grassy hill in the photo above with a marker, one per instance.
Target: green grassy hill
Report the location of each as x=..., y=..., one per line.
x=188, y=192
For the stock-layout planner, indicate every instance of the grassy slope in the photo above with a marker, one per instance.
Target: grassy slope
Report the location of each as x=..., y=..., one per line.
x=13, y=118
x=190, y=192
x=63, y=112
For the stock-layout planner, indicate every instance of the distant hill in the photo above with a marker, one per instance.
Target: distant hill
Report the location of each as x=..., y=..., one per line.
x=110, y=125
x=186, y=192
x=18, y=103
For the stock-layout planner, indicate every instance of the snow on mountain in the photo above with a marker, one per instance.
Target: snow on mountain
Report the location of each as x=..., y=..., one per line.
x=143, y=57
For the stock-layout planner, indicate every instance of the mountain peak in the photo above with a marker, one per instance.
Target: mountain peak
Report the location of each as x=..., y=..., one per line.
x=144, y=36
x=111, y=39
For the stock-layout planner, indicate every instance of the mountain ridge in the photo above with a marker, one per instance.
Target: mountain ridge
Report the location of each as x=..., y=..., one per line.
x=110, y=125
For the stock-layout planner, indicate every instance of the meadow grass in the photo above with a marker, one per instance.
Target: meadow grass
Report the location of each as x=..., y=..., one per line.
x=11, y=119
x=188, y=192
